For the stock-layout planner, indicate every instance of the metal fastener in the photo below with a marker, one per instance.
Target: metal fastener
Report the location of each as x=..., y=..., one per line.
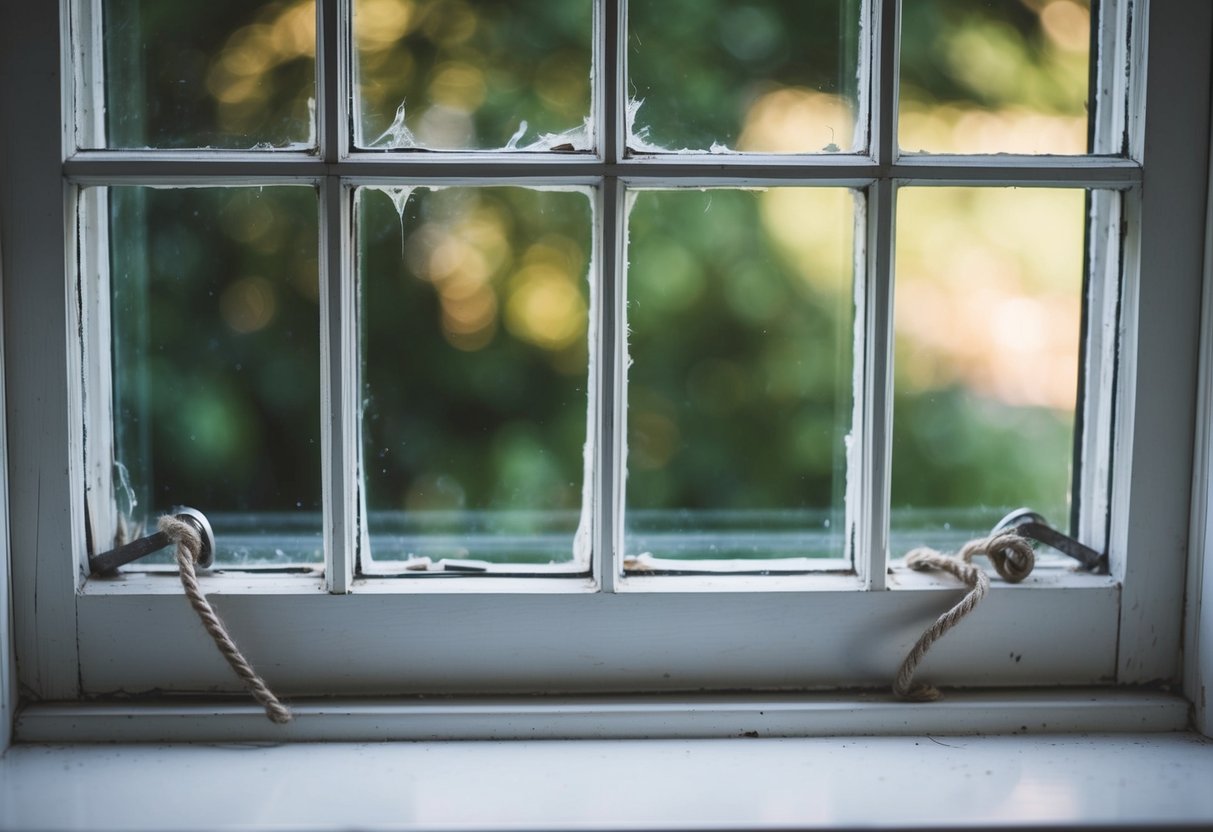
x=144, y=546
x=1032, y=525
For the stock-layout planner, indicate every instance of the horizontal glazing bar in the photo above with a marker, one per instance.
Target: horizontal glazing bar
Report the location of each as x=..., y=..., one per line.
x=1045, y=171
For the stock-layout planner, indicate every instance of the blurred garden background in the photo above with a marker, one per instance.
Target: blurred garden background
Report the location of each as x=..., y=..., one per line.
x=475, y=303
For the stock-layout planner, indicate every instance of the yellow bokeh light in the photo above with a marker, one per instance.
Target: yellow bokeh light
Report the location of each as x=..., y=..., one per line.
x=1067, y=24
x=444, y=253
x=1009, y=130
x=795, y=120
x=459, y=86
x=240, y=74
x=988, y=292
x=455, y=258
x=246, y=52
x=293, y=32
x=239, y=90
x=449, y=23
x=815, y=228
x=248, y=305
x=378, y=24
x=545, y=307
x=563, y=81
x=248, y=219
x=653, y=438
x=469, y=317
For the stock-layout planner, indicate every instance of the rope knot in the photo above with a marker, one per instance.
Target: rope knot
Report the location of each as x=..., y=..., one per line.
x=1012, y=557
x=182, y=533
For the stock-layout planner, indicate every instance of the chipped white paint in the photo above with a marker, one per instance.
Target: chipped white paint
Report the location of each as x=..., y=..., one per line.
x=667, y=716
x=1139, y=781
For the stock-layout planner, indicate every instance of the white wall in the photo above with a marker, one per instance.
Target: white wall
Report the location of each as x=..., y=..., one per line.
x=8, y=675
x=1198, y=628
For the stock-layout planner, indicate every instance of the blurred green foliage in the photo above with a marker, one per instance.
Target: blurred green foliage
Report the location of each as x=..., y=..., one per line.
x=224, y=74
x=699, y=68
x=1028, y=53
x=740, y=394
x=474, y=355
x=472, y=74
x=216, y=365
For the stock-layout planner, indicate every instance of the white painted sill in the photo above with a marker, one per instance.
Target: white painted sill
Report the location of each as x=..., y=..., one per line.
x=1053, y=573
x=237, y=719
x=1144, y=781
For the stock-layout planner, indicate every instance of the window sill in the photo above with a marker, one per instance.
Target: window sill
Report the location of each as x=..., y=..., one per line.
x=653, y=716
x=915, y=782
x=1056, y=573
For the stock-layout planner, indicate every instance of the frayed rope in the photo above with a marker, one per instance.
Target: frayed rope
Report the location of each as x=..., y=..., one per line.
x=189, y=546
x=1012, y=557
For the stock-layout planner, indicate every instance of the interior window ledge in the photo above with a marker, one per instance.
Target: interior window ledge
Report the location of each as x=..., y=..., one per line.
x=1050, y=575
x=1141, y=781
x=653, y=716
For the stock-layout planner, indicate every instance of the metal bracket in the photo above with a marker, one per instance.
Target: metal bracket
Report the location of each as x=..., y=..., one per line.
x=1032, y=525
x=108, y=562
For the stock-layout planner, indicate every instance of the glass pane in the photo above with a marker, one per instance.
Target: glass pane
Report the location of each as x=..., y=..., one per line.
x=739, y=316
x=475, y=309
x=473, y=74
x=222, y=73
x=996, y=76
x=987, y=317
x=775, y=76
x=216, y=364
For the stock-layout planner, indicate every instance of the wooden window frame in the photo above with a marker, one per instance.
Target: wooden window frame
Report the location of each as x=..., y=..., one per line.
x=344, y=635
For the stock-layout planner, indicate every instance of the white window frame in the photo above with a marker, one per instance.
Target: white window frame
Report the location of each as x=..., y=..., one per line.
x=342, y=635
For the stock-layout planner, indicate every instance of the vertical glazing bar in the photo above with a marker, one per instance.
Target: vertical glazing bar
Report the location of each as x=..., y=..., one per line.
x=610, y=401
x=338, y=328
x=1096, y=405
x=88, y=81
x=609, y=82
x=98, y=346
x=871, y=552
x=338, y=350
x=885, y=70
x=332, y=78
x=1110, y=55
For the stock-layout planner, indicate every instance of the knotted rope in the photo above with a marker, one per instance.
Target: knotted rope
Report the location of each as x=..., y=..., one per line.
x=1012, y=557
x=189, y=547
